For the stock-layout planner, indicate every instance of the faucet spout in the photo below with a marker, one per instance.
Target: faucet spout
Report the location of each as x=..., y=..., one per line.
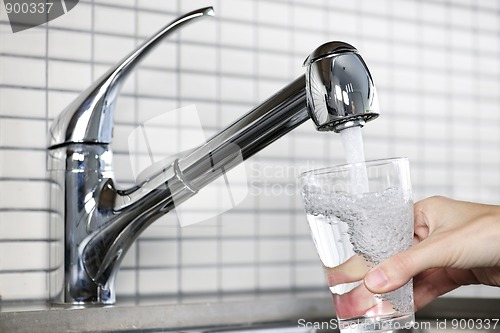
x=101, y=221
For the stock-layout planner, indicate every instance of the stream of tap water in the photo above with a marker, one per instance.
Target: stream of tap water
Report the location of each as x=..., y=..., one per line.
x=352, y=140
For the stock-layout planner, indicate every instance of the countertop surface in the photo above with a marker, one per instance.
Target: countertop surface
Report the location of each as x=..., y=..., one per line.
x=204, y=317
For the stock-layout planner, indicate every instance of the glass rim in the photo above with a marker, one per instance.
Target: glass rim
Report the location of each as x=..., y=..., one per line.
x=348, y=166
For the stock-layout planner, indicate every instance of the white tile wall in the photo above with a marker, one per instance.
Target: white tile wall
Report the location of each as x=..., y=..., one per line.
x=436, y=65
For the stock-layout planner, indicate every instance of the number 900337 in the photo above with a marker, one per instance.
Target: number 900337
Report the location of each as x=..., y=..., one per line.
x=28, y=7
x=474, y=324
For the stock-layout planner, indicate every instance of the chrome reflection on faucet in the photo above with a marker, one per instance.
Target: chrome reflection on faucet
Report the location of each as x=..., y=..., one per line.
x=340, y=91
x=98, y=222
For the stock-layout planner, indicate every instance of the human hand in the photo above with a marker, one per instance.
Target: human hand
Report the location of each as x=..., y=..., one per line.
x=455, y=243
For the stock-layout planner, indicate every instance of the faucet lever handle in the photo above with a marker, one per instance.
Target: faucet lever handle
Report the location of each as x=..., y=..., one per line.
x=89, y=118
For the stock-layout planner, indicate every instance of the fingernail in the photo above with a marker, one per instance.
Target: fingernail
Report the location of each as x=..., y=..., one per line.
x=376, y=279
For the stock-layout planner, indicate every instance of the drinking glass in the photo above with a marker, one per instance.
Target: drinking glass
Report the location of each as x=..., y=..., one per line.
x=359, y=215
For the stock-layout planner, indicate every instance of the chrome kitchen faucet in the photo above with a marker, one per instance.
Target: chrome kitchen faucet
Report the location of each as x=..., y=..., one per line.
x=100, y=221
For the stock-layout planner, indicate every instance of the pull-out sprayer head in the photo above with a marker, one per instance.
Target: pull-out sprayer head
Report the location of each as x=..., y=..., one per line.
x=340, y=90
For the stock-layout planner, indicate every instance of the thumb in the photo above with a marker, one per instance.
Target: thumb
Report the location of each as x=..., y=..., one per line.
x=397, y=270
